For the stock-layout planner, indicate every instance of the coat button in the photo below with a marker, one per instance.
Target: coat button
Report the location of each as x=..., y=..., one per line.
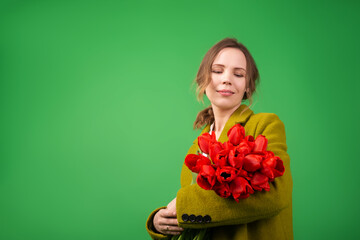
x=199, y=219
x=207, y=219
x=192, y=218
x=185, y=217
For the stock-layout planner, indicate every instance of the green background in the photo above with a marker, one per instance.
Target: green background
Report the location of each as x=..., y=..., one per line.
x=97, y=110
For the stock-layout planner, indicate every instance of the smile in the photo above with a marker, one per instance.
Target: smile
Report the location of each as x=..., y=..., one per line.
x=225, y=93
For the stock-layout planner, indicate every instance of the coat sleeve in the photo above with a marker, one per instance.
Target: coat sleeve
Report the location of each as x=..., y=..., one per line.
x=193, y=200
x=151, y=229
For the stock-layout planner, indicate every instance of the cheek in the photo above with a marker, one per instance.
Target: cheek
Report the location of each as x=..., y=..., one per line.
x=215, y=79
x=210, y=90
x=211, y=85
x=241, y=85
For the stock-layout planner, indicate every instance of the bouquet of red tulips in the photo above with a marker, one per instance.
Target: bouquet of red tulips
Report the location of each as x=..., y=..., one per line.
x=237, y=167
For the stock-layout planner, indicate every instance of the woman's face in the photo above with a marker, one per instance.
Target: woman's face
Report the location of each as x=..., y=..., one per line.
x=228, y=74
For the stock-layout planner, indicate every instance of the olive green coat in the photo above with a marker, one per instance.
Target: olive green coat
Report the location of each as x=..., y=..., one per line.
x=263, y=215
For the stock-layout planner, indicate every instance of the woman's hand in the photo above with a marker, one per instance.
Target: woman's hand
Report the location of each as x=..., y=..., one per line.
x=165, y=220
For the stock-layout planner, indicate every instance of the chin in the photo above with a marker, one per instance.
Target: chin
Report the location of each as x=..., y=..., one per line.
x=225, y=106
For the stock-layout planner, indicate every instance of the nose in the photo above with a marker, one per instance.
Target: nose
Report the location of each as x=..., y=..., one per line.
x=226, y=77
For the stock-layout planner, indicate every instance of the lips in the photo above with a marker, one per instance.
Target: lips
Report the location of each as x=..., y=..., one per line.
x=225, y=91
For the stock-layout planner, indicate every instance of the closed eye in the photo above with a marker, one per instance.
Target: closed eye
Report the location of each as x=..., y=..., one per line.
x=238, y=75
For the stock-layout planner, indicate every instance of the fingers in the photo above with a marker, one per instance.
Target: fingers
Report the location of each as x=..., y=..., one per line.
x=172, y=230
x=172, y=221
x=167, y=219
x=169, y=226
x=167, y=223
x=167, y=213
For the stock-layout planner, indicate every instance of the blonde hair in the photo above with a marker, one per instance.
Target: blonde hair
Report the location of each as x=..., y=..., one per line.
x=203, y=78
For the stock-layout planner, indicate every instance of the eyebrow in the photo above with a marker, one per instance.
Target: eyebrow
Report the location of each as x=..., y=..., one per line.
x=224, y=66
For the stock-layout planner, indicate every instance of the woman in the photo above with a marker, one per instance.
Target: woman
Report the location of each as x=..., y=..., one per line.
x=227, y=75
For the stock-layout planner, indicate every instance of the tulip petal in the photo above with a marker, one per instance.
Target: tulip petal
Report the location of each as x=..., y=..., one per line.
x=205, y=140
x=194, y=162
x=260, y=182
x=252, y=162
x=206, y=178
x=240, y=188
x=236, y=158
x=215, y=148
x=225, y=174
x=279, y=168
x=260, y=144
x=222, y=189
x=235, y=134
x=221, y=159
x=272, y=167
x=228, y=146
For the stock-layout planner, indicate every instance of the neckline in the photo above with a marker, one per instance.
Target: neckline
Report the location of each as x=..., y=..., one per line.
x=211, y=127
x=234, y=118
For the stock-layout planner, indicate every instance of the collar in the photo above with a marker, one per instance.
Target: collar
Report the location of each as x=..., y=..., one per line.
x=234, y=119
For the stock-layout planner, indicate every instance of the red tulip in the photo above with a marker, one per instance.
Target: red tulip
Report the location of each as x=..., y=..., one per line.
x=236, y=157
x=244, y=147
x=272, y=167
x=260, y=144
x=225, y=174
x=195, y=162
x=240, y=188
x=205, y=140
x=215, y=148
x=222, y=189
x=206, y=177
x=221, y=158
x=252, y=162
x=260, y=182
x=236, y=134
